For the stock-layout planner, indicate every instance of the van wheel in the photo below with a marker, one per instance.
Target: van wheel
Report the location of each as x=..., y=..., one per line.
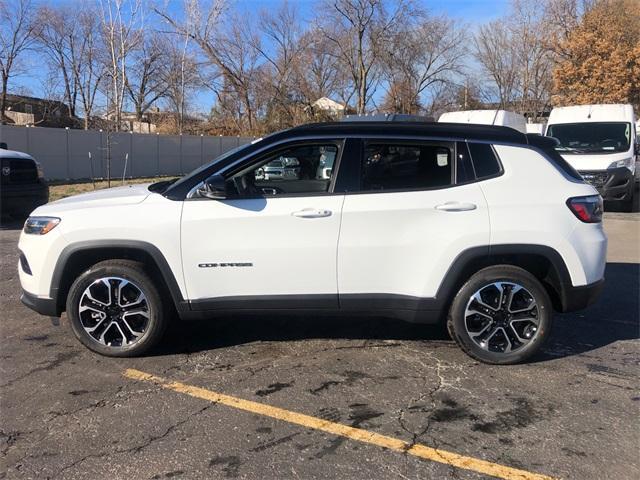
x=115, y=309
x=501, y=315
x=627, y=205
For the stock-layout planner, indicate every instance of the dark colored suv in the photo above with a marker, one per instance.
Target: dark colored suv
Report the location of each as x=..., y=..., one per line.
x=22, y=184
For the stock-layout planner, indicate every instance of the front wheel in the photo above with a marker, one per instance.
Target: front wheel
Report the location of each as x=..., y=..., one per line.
x=116, y=310
x=501, y=315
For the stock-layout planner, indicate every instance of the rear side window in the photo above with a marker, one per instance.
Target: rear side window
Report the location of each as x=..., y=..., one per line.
x=484, y=159
x=406, y=166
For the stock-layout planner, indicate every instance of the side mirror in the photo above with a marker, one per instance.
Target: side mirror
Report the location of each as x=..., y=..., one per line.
x=214, y=187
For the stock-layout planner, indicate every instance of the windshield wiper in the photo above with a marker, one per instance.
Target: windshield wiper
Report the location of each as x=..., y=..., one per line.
x=570, y=149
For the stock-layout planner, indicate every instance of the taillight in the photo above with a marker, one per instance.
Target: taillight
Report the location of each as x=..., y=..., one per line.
x=588, y=209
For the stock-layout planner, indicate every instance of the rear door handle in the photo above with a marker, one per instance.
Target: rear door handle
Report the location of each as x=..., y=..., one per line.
x=312, y=213
x=456, y=207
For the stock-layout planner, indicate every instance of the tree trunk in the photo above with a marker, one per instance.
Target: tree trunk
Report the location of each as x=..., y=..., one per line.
x=3, y=99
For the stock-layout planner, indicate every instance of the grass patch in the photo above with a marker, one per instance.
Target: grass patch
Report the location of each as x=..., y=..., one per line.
x=58, y=190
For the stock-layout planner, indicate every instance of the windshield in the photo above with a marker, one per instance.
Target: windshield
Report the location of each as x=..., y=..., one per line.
x=596, y=137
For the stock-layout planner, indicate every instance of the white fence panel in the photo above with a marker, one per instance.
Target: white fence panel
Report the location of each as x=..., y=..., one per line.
x=211, y=148
x=64, y=154
x=49, y=147
x=143, y=161
x=81, y=144
x=191, y=153
x=169, y=154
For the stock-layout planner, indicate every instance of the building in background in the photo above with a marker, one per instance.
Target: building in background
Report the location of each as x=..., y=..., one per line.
x=41, y=112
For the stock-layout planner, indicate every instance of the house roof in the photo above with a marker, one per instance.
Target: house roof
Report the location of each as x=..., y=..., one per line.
x=325, y=103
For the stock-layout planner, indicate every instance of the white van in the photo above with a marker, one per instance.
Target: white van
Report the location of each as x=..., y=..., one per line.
x=487, y=117
x=537, y=128
x=599, y=141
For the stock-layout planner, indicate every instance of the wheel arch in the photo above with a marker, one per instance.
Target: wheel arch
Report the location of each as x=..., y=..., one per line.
x=77, y=257
x=542, y=261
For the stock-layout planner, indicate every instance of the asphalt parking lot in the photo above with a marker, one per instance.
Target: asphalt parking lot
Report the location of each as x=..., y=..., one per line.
x=572, y=413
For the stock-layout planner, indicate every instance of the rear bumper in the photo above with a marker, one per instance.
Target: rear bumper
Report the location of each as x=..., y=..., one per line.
x=614, y=184
x=578, y=298
x=23, y=198
x=43, y=306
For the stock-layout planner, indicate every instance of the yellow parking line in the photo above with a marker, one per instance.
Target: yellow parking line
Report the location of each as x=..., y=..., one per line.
x=359, y=434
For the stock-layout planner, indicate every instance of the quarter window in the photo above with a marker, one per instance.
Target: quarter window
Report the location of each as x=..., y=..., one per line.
x=406, y=166
x=484, y=159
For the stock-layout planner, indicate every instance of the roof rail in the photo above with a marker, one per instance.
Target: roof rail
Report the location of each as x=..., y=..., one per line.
x=387, y=117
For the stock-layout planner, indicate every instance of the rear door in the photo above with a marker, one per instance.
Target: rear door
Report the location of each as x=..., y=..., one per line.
x=415, y=210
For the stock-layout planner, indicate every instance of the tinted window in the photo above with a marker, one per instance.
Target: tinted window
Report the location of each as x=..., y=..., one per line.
x=464, y=172
x=398, y=166
x=484, y=159
x=299, y=169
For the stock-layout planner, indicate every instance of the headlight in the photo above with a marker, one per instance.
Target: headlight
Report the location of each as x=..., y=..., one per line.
x=625, y=162
x=40, y=225
x=40, y=171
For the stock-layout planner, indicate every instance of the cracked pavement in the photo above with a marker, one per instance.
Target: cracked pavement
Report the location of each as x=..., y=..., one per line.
x=573, y=412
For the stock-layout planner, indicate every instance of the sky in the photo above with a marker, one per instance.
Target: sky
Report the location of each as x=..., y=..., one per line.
x=470, y=12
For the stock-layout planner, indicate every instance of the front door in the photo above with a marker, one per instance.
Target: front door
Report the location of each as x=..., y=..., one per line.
x=273, y=243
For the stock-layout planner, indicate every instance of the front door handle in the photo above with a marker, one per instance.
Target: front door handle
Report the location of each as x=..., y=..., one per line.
x=456, y=207
x=312, y=213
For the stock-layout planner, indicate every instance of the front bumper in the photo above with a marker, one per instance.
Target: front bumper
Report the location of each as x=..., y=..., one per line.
x=614, y=184
x=579, y=298
x=44, y=306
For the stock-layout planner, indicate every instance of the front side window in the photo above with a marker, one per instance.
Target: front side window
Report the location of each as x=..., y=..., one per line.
x=300, y=169
x=391, y=166
x=594, y=137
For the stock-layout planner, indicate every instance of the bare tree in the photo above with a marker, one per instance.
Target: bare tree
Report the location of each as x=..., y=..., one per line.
x=497, y=56
x=56, y=36
x=561, y=18
x=146, y=79
x=285, y=44
x=317, y=73
x=421, y=57
x=515, y=53
x=229, y=47
x=359, y=30
x=535, y=62
x=88, y=68
x=119, y=20
x=17, y=28
x=180, y=77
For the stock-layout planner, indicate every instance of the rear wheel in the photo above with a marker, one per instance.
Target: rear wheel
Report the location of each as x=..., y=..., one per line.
x=115, y=309
x=502, y=315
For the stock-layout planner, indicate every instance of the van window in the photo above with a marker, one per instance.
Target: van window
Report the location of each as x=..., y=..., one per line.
x=406, y=166
x=484, y=160
x=595, y=137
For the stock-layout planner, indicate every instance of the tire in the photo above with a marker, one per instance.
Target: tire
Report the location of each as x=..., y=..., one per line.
x=627, y=205
x=505, y=334
x=100, y=322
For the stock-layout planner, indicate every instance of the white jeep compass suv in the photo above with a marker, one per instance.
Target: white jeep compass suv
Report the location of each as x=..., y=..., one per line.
x=483, y=227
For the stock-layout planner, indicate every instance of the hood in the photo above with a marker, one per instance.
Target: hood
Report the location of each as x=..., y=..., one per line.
x=126, y=195
x=594, y=162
